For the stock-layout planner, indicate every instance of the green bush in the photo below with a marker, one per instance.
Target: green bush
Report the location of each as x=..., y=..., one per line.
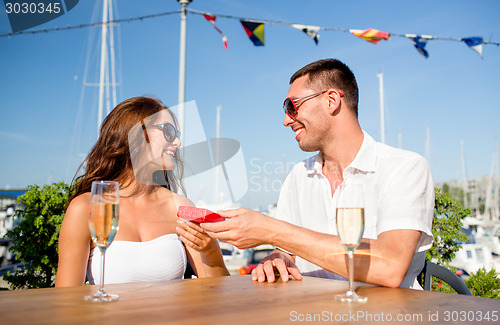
x=34, y=240
x=446, y=228
x=484, y=284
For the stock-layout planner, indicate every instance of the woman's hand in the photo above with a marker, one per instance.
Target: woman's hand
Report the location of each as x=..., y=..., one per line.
x=192, y=235
x=210, y=255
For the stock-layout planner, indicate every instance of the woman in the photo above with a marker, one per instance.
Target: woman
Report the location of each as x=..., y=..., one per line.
x=137, y=148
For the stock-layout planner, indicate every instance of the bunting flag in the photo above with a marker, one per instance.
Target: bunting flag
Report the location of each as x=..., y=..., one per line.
x=420, y=41
x=371, y=35
x=254, y=30
x=211, y=20
x=475, y=43
x=311, y=31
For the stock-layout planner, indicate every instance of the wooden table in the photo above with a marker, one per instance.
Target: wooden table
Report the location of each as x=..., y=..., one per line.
x=238, y=300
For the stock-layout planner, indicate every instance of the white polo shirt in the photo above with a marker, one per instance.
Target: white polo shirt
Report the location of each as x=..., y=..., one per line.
x=398, y=191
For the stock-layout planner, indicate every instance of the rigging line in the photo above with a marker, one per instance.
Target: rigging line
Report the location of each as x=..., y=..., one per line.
x=430, y=38
x=197, y=12
x=117, y=21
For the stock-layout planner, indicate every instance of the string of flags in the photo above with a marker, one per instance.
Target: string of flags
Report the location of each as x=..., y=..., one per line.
x=419, y=42
x=255, y=32
x=371, y=35
x=211, y=20
x=96, y=24
x=311, y=31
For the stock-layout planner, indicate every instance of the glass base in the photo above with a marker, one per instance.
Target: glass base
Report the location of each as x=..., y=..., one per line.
x=101, y=296
x=351, y=296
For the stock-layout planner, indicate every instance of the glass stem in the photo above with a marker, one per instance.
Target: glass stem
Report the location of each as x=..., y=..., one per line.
x=350, y=257
x=103, y=255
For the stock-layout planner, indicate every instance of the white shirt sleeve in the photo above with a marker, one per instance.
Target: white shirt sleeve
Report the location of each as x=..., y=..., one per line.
x=407, y=201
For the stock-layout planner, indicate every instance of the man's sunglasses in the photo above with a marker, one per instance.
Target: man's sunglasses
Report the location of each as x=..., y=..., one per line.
x=292, y=110
x=169, y=131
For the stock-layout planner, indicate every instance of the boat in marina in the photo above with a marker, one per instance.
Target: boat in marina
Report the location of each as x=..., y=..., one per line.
x=482, y=248
x=490, y=238
x=472, y=257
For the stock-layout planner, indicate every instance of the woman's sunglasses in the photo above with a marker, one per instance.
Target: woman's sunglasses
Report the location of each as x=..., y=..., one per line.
x=292, y=110
x=169, y=131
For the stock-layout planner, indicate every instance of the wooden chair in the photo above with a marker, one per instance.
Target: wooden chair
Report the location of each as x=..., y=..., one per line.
x=431, y=269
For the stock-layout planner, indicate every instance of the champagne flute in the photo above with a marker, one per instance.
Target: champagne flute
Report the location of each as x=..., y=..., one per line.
x=103, y=224
x=350, y=227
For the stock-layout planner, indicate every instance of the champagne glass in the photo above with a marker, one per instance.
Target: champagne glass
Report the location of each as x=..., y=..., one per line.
x=103, y=224
x=350, y=227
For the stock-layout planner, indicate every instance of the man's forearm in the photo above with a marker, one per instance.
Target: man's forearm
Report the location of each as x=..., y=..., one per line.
x=318, y=248
x=383, y=261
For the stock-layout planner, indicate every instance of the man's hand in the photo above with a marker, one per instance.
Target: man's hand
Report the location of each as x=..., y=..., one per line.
x=242, y=228
x=277, y=261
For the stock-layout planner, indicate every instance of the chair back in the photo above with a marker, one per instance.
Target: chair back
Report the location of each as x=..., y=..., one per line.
x=431, y=269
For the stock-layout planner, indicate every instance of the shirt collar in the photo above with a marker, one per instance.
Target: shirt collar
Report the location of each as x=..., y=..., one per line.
x=366, y=157
x=364, y=161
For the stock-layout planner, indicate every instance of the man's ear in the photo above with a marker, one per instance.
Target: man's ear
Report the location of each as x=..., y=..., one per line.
x=334, y=101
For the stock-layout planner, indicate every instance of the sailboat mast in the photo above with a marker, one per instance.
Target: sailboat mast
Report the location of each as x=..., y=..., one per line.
x=496, y=213
x=491, y=209
x=464, y=174
x=104, y=56
x=381, y=91
x=182, y=65
x=428, y=145
x=217, y=156
x=112, y=57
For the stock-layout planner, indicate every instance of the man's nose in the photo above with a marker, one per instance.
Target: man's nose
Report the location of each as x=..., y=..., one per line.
x=287, y=121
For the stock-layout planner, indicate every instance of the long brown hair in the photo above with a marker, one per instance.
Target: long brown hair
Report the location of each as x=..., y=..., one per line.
x=110, y=159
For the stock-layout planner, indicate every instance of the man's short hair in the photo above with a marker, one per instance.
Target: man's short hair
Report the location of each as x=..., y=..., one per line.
x=331, y=73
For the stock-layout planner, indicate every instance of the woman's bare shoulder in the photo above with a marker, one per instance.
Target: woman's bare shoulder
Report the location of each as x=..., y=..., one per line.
x=167, y=196
x=75, y=224
x=79, y=205
x=82, y=199
x=182, y=201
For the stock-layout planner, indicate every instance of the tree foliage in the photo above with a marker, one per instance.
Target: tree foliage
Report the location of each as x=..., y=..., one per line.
x=484, y=283
x=446, y=228
x=34, y=240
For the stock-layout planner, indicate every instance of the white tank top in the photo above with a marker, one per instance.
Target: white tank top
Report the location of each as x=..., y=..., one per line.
x=163, y=258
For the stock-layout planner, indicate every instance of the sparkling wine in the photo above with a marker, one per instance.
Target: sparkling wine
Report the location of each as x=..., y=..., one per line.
x=103, y=223
x=350, y=226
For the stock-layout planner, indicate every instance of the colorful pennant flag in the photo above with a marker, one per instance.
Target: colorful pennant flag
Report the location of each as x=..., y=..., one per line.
x=211, y=20
x=420, y=41
x=371, y=35
x=255, y=31
x=475, y=43
x=312, y=31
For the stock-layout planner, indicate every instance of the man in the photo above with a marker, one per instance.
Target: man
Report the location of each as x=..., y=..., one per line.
x=322, y=109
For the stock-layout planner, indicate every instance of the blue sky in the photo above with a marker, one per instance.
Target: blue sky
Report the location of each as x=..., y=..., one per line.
x=45, y=126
